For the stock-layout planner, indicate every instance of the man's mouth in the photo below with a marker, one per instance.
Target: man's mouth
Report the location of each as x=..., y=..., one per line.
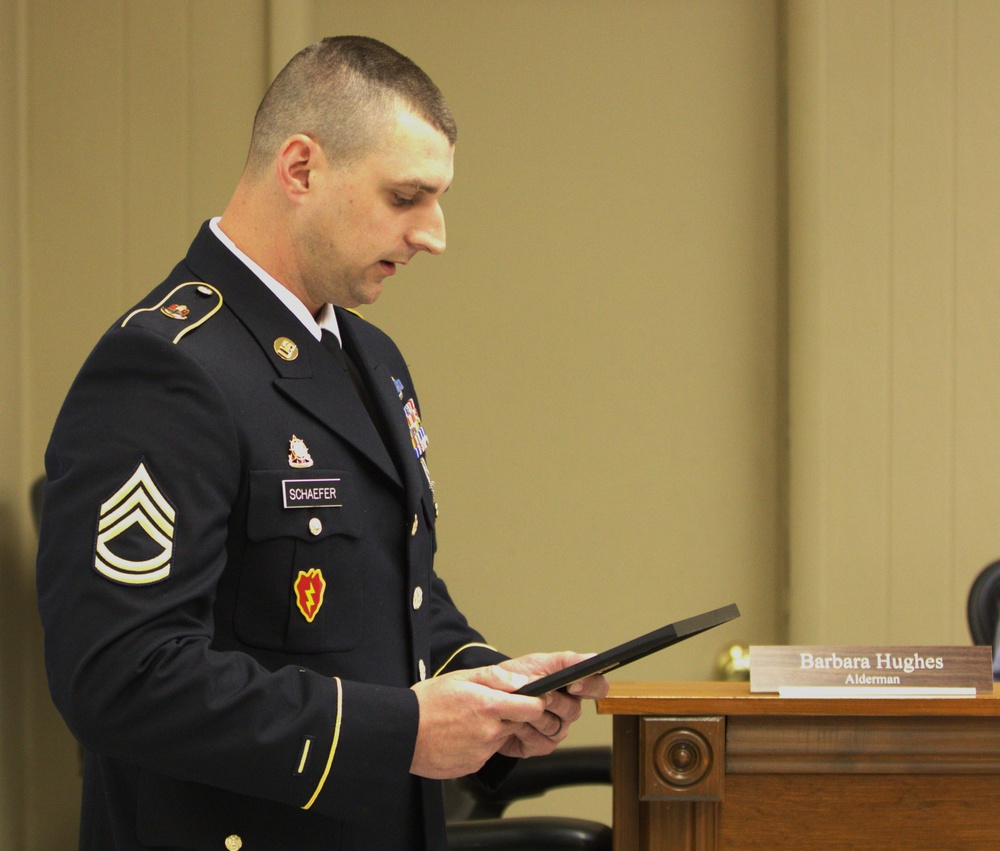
x=387, y=266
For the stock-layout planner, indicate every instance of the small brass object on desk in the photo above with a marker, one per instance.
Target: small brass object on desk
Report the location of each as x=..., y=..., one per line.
x=733, y=664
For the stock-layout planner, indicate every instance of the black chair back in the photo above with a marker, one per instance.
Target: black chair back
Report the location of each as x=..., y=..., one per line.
x=984, y=605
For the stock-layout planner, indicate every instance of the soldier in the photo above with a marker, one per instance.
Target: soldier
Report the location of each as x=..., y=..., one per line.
x=243, y=623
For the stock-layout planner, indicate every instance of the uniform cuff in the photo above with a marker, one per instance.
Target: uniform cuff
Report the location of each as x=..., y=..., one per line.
x=367, y=766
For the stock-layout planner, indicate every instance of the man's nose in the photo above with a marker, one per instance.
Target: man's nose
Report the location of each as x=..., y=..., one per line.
x=429, y=234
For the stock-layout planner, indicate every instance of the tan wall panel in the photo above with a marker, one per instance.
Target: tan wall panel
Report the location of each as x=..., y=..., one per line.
x=807, y=58
x=76, y=216
x=227, y=78
x=857, y=301
x=921, y=331
x=977, y=296
x=893, y=234
x=157, y=157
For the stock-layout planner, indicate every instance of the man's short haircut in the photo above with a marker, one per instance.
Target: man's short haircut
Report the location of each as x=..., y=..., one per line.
x=341, y=92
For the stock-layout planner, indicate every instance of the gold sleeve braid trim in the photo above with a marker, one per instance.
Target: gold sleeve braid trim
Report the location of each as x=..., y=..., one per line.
x=169, y=296
x=460, y=649
x=333, y=745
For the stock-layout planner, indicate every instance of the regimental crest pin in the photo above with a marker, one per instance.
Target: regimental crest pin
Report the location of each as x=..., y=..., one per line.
x=298, y=454
x=310, y=586
x=175, y=311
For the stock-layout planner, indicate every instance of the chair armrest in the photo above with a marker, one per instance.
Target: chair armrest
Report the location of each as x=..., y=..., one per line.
x=572, y=766
x=529, y=834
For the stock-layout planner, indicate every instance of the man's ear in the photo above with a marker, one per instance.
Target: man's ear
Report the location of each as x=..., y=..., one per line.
x=297, y=158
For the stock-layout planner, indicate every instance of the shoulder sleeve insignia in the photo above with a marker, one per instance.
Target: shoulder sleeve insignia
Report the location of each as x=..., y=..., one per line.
x=309, y=589
x=135, y=533
x=192, y=304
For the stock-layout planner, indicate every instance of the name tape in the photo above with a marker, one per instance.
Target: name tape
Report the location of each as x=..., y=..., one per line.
x=311, y=493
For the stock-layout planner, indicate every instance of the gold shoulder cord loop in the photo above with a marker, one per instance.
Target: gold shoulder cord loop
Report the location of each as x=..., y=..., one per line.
x=170, y=295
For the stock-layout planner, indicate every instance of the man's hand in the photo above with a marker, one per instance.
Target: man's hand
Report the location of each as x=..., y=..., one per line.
x=468, y=716
x=561, y=710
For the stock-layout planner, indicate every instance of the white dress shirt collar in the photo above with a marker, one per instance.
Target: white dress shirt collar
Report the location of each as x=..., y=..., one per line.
x=327, y=317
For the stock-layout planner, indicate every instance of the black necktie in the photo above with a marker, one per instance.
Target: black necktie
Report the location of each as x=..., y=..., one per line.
x=332, y=345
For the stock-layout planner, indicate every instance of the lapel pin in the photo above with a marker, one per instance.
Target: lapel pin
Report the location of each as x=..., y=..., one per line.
x=285, y=349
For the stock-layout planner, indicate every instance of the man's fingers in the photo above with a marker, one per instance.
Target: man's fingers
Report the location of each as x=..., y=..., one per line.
x=593, y=688
x=497, y=678
x=553, y=726
x=564, y=706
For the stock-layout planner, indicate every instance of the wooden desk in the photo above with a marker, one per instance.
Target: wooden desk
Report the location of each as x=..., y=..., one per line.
x=710, y=765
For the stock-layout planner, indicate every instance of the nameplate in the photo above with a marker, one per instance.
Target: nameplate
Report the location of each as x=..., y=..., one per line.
x=310, y=493
x=821, y=671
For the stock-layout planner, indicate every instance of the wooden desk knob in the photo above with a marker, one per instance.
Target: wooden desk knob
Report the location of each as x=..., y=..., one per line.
x=684, y=758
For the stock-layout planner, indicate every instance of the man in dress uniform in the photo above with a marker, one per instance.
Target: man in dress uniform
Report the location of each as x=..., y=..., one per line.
x=243, y=625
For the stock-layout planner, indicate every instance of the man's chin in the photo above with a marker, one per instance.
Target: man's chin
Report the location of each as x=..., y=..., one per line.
x=368, y=294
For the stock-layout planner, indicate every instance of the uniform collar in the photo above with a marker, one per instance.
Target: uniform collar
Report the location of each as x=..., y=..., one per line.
x=327, y=316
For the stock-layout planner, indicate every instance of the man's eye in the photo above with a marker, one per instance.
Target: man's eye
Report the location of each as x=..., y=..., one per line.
x=401, y=200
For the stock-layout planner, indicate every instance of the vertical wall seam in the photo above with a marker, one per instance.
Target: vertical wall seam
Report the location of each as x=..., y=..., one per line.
x=23, y=270
x=953, y=461
x=890, y=317
x=782, y=367
x=821, y=289
x=126, y=143
x=189, y=157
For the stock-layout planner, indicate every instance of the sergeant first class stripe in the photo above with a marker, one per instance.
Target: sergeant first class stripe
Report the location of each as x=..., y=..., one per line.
x=140, y=502
x=333, y=745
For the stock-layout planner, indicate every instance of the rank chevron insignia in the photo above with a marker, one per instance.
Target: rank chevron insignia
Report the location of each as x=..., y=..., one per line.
x=135, y=533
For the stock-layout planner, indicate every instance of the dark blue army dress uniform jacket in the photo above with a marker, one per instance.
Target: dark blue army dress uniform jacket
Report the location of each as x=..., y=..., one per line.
x=236, y=578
